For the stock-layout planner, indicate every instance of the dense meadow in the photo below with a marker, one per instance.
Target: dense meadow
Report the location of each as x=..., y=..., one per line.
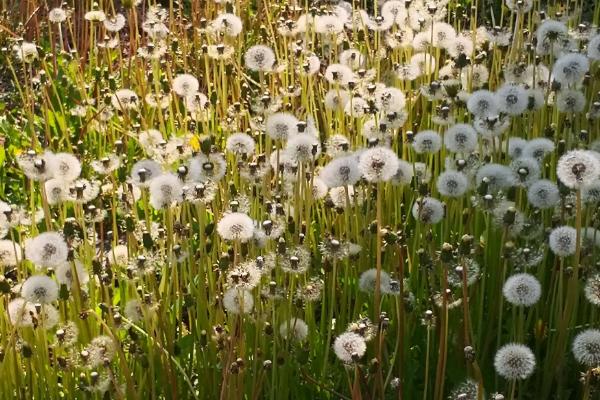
x=261, y=199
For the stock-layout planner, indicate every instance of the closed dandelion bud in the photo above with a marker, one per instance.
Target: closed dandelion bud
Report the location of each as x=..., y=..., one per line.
x=466, y=243
x=509, y=216
x=446, y=255
x=469, y=353
x=281, y=246
x=267, y=364
x=482, y=189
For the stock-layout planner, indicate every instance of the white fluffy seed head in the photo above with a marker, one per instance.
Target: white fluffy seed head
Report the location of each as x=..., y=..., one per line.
x=452, y=183
x=10, y=253
x=367, y=281
x=203, y=168
x=65, y=166
x=563, y=241
x=428, y=210
x=522, y=290
x=514, y=361
x=461, y=138
x=342, y=171
x=65, y=276
x=593, y=48
x=259, y=58
x=281, y=126
x=483, y=104
x=499, y=176
x=404, y=174
x=512, y=99
x=238, y=301
x=538, y=148
x=570, y=68
x=570, y=101
x=294, y=329
x=526, y=170
x=165, y=191
x=592, y=289
x=578, y=168
x=240, y=144
x=586, y=347
x=39, y=289
x=516, y=147
x=143, y=171
x=349, y=346
x=378, y=164
x=47, y=250
x=543, y=194
x=427, y=142
x=236, y=226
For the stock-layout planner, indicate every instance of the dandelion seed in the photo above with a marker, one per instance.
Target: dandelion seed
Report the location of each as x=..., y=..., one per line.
x=228, y=24
x=165, y=191
x=578, y=168
x=64, y=274
x=512, y=99
x=428, y=210
x=114, y=23
x=349, y=347
x=452, y=184
x=514, y=361
x=522, y=290
x=46, y=250
x=236, y=226
x=294, y=329
x=427, y=142
x=570, y=101
x=238, y=301
x=39, y=289
x=543, y=194
x=204, y=167
x=124, y=100
x=586, y=348
x=259, y=58
x=538, y=148
x=378, y=164
x=57, y=15
x=368, y=279
x=562, y=241
x=460, y=138
x=570, y=68
x=185, y=85
x=592, y=289
x=483, y=104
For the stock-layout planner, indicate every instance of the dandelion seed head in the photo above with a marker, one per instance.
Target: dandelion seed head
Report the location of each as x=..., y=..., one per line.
x=236, y=226
x=586, y=347
x=591, y=289
x=378, y=164
x=543, y=194
x=427, y=142
x=570, y=68
x=348, y=346
x=428, y=210
x=259, y=58
x=166, y=190
x=238, y=301
x=514, y=361
x=294, y=329
x=522, y=290
x=578, y=168
x=460, y=138
x=452, y=183
x=562, y=241
x=39, y=289
x=46, y=250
